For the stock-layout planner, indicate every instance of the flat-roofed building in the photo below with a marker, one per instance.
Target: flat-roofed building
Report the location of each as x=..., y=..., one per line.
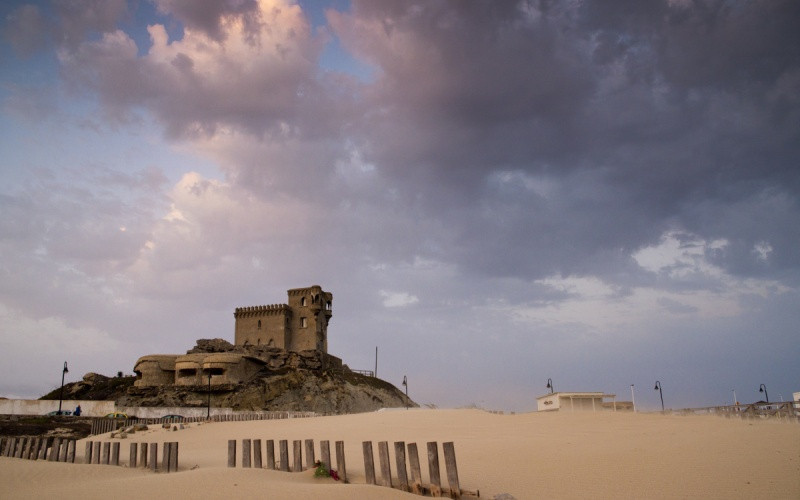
x=575, y=401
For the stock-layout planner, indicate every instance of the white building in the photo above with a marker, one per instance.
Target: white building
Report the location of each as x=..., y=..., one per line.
x=575, y=401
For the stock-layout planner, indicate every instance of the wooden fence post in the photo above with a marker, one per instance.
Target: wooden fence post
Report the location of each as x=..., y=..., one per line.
x=106, y=453
x=309, y=453
x=166, y=456
x=43, y=449
x=246, y=453
x=452, y=470
x=433, y=466
x=26, y=448
x=62, y=452
x=71, y=445
x=341, y=466
x=369, y=462
x=54, y=450
x=96, y=453
x=297, y=446
x=153, y=462
x=231, y=453
x=144, y=455
x=26, y=453
x=173, y=457
x=257, y=453
x=413, y=460
x=400, y=461
x=115, y=453
x=132, y=458
x=284, y=455
x=271, y=454
x=325, y=453
x=2, y=446
x=87, y=453
x=386, y=466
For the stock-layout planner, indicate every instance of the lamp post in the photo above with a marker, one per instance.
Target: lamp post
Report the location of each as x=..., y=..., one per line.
x=633, y=399
x=735, y=402
x=405, y=383
x=763, y=388
x=658, y=388
x=61, y=395
x=208, y=415
x=550, y=385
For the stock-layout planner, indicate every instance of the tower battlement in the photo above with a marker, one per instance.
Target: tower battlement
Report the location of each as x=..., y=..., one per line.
x=300, y=325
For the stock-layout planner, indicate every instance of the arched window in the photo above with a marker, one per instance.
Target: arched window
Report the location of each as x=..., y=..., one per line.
x=303, y=322
x=259, y=324
x=303, y=301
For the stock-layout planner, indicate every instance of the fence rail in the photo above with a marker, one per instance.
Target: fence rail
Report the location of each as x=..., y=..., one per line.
x=102, y=425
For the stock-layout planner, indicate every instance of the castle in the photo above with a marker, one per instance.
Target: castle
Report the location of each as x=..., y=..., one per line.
x=270, y=337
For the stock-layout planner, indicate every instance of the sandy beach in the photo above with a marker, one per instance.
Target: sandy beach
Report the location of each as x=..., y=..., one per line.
x=533, y=455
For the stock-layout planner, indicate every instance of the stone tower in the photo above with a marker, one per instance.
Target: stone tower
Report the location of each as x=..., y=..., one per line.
x=300, y=325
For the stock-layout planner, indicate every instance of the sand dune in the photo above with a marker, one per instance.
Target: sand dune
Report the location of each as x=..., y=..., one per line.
x=535, y=455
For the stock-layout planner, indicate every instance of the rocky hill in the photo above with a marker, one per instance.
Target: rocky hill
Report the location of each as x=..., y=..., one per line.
x=321, y=391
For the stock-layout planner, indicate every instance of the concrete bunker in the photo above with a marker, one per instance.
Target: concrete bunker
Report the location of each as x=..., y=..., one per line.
x=154, y=370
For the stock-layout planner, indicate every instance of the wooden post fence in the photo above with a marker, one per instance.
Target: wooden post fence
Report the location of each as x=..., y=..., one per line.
x=386, y=466
x=310, y=454
x=297, y=446
x=270, y=454
x=153, y=456
x=369, y=462
x=284, y=444
x=341, y=466
x=246, y=453
x=231, y=453
x=257, y=453
x=325, y=452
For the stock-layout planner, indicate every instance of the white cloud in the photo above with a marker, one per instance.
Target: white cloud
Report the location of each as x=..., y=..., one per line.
x=397, y=299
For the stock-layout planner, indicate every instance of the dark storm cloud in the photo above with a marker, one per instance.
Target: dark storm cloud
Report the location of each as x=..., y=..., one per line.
x=637, y=113
x=534, y=138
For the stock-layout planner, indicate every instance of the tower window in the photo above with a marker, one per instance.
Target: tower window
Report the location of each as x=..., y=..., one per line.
x=303, y=322
x=259, y=324
x=303, y=301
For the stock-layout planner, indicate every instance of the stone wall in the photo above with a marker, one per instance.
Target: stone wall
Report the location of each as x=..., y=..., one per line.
x=43, y=407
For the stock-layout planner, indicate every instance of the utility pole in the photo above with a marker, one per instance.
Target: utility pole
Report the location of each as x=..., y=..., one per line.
x=376, y=362
x=633, y=400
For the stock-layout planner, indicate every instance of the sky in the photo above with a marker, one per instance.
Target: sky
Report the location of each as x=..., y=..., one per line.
x=497, y=193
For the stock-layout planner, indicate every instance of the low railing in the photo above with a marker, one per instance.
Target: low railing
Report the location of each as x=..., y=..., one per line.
x=784, y=409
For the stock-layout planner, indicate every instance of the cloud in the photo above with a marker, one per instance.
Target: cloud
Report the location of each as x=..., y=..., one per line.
x=397, y=299
x=615, y=182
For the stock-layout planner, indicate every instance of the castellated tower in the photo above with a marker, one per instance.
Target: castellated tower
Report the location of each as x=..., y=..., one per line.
x=300, y=325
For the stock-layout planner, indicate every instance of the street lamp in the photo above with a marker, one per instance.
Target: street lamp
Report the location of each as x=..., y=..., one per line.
x=550, y=385
x=633, y=400
x=61, y=396
x=658, y=388
x=405, y=383
x=763, y=388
